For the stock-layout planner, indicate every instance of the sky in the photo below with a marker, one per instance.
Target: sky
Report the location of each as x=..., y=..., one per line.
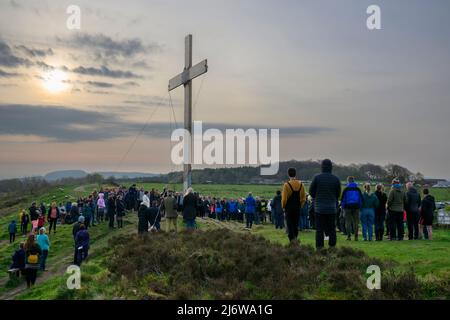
x=96, y=98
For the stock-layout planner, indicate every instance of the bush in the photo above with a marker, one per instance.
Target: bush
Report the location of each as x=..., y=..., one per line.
x=222, y=264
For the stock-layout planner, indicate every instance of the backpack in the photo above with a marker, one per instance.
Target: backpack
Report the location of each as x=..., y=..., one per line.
x=33, y=259
x=352, y=198
x=293, y=202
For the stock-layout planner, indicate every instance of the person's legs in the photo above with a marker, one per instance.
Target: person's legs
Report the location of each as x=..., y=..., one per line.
x=319, y=231
x=430, y=232
x=410, y=223
x=392, y=225
x=370, y=222
x=363, y=218
x=348, y=222
x=400, y=226
x=355, y=222
x=111, y=221
x=331, y=229
x=44, y=256
x=33, y=275
x=416, y=225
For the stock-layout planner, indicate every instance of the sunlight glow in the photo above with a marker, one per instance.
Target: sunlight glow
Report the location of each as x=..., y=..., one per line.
x=55, y=81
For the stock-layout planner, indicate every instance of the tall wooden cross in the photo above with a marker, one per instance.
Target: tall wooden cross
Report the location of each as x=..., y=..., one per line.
x=185, y=78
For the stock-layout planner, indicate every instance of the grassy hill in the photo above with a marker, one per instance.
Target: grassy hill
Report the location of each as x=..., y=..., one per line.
x=422, y=267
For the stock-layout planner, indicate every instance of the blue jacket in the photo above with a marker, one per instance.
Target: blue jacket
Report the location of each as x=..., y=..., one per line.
x=12, y=228
x=250, y=204
x=351, y=197
x=43, y=241
x=82, y=238
x=232, y=206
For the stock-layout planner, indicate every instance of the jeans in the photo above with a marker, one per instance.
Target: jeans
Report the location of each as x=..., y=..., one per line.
x=413, y=224
x=396, y=225
x=249, y=219
x=43, y=259
x=367, y=220
x=325, y=223
x=12, y=237
x=190, y=223
x=351, y=221
x=292, y=219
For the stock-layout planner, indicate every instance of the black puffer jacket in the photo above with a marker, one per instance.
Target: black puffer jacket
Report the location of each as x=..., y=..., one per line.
x=325, y=189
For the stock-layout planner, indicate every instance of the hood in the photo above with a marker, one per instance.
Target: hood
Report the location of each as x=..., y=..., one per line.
x=397, y=186
x=327, y=166
x=101, y=195
x=352, y=184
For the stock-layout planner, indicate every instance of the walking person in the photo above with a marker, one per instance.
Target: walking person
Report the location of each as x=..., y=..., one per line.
x=293, y=198
x=24, y=221
x=396, y=205
x=370, y=204
x=277, y=209
x=351, y=203
x=427, y=208
x=82, y=244
x=32, y=253
x=12, y=229
x=250, y=207
x=75, y=229
x=52, y=218
x=44, y=243
x=189, y=208
x=412, y=204
x=380, y=212
x=325, y=190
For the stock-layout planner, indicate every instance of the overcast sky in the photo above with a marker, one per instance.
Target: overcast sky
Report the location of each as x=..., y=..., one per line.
x=311, y=68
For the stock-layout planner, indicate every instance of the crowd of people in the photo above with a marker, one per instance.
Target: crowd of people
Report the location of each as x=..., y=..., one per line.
x=324, y=207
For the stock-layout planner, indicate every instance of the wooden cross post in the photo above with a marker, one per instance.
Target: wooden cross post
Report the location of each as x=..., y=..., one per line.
x=185, y=78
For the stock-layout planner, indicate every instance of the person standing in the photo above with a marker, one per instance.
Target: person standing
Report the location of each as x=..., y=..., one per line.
x=250, y=207
x=189, y=208
x=143, y=215
x=293, y=198
x=44, y=243
x=169, y=204
x=75, y=229
x=24, y=221
x=100, y=207
x=412, y=205
x=111, y=210
x=380, y=213
x=325, y=190
x=120, y=211
x=33, y=212
x=53, y=215
x=277, y=209
x=427, y=208
x=370, y=204
x=32, y=253
x=396, y=205
x=351, y=202
x=12, y=229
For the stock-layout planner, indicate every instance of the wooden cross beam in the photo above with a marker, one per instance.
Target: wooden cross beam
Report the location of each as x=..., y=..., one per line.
x=185, y=78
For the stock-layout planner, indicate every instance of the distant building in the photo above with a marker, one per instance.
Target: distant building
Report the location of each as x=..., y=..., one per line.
x=442, y=184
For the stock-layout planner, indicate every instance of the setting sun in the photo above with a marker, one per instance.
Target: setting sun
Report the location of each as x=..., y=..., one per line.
x=55, y=81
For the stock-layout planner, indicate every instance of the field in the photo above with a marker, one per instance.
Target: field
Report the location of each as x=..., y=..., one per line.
x=428, y=260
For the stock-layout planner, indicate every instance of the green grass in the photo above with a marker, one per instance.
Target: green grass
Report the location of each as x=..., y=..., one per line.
x=430, y=259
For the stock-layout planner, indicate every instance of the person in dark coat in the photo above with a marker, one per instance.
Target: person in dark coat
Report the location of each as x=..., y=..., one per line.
x=380, y=212
x=277, y=209
x=120, y=211
x=427, y=208
x=325, y=190
x=412, y=205
x=33, y=212
x=75, y=229
x=189, y=208
x=111, y=210
x=18, y=259
x=154, y=216
x=143, y=214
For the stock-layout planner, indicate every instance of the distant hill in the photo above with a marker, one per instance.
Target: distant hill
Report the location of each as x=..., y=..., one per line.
x=75, y=174
x=58, y=175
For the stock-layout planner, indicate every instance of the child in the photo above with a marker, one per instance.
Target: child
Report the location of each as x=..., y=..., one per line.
x=41, y=221
x=12, y=228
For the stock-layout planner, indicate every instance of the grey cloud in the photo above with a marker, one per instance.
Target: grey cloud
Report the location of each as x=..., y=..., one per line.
x=32, y=52
x=104, y=45
x=9, y=59
x=4, y=74
x=100, y=84
x=104, y=71
x=63, y=124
